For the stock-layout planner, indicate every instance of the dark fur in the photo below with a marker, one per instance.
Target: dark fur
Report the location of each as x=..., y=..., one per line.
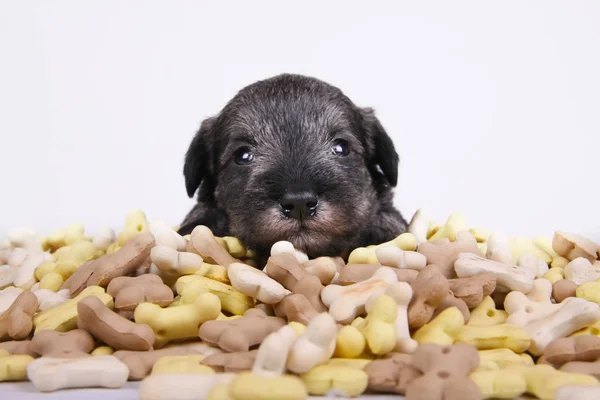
x=290, y=122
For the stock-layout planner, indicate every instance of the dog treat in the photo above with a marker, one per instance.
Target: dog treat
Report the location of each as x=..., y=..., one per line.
x=392, y=256
x=232, y=301
x=354, y=273
x=204, y=243
x=164, y=235
x=49, y=374
x=451, y=301
x=554, y=274
x=180, y=322
x=129, y=292
x=189, y=364
x=379, y=327
x=76, y=343
x=581, y=270
x=255, y=283
x=69, y=258
x=347, y=302
x=573, y=246
x=566, y=349
x=444, y=252
x=402, y=294
x=266, y=380
x=102, y=351
x=135, y=224
x=589, y=291
x=16, y=322
x=51, y=281
x=176, y=263
x=546, y=322
x=284, y=246
x=563, y=288
x=391, y=374
x=543, y=380
x=104, y=238
x=443, y=329
x=64, y=237
x=575, y=392
x=123, y=262
x=100, y=271
x=325, y=268
x=242, y=333
x=64, y=317
x=502, y=358
x=231, y=362
x=455, y=223
x=445, y=372
x=472, y=290
x=487, y=314
x=429, y=290
x=285, y=269
x=347, y=381
x=8, y=296
x=499, y=383
x=583, y=367
x=14, y=367
x=181, y=386
x=498, y=248
x=495, y=337
x=140, y=363
x=508, y=276
x=535, y=265
x=315, y=346
x=109, y=327
x=349, y=342
x=296, y=307
x=419, y=226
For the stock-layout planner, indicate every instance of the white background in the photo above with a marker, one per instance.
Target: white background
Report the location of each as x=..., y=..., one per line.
x=99, y=100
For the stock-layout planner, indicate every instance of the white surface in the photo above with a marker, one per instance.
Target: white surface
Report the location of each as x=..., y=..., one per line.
x=26, y=391
x=99, y=100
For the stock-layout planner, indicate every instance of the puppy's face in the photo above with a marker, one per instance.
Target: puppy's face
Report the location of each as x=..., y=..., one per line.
x=291, y=158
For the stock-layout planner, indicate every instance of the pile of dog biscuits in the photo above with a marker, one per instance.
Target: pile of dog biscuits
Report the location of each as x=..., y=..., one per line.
x=442, y=312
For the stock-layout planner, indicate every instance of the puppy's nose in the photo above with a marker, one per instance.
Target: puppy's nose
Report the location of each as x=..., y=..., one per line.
x=299, y=203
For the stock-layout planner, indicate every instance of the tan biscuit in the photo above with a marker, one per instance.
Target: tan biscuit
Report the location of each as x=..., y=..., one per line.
x=128, y=292
x=102, y=270
x=242, y=333
x=231, y=362
x=72, y=344
x=112, y=329
x=16, y=322
x=562, y=289
x=430, y=289
x=445, y=372
x=296, y=307
x=203, y=242
x=286, y=270
x=391, y=374
x=474, y=289
x=444, y=253
x=577, y=348
x=18, y=347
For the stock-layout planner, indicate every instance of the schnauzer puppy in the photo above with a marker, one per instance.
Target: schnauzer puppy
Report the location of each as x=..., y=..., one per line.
x=292, y=158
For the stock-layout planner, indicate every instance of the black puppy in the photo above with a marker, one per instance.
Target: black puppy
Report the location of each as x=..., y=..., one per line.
x=292, y=158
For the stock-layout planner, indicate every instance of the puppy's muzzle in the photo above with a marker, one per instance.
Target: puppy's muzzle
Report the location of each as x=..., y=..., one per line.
x=299, y=202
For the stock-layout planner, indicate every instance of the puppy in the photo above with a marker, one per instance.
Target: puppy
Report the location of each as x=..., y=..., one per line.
x=292, y=158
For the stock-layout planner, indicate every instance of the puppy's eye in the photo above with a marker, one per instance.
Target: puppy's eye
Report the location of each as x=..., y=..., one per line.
x=243, y=156
x=340, y=148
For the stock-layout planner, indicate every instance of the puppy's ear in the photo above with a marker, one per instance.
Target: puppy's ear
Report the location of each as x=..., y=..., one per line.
x=382, y=154
x=198, y=165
